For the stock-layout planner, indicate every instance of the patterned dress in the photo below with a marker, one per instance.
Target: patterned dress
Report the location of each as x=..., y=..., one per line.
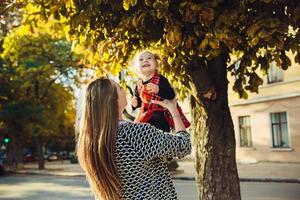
x=141, y=152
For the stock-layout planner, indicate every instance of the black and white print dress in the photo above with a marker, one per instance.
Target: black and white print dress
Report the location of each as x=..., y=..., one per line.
x=141, y=152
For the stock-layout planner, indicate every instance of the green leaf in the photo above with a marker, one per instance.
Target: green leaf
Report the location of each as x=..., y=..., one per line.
x=126, y=4
x=203, y=43
x=213, y=43
x=244, y=95
x=286, y=61
x=170, y=60
x=252, y=29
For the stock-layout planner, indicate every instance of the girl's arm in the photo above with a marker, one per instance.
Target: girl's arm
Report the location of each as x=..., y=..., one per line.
x=139, y=101
x=165, y=89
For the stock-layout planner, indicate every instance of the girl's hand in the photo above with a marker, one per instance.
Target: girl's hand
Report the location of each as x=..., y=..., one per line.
x=134, y=102
x=153, y=88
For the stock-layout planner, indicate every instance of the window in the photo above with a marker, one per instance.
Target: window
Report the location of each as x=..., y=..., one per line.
x=236, y=68
x=245, y=131
x=275, y=74
x=279, y=130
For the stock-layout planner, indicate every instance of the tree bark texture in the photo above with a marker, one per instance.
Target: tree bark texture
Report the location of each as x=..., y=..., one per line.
x=213, y=133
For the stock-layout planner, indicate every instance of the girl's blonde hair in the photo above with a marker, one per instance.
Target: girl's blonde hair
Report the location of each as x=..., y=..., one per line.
x=97, y=138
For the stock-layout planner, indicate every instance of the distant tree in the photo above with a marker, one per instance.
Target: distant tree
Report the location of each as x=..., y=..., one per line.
x=196, y=39
x=37, y=72
x=63, y=139
x=7, y=22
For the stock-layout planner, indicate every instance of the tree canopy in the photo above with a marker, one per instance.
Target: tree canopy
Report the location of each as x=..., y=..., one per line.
x=256, y=32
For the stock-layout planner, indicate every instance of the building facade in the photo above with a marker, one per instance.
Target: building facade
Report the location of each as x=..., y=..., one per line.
x=267, y=124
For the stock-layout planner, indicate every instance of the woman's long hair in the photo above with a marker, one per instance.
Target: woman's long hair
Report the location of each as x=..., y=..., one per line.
x=97, y=138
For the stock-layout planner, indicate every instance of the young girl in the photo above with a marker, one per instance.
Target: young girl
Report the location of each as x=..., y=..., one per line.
x=153, y=86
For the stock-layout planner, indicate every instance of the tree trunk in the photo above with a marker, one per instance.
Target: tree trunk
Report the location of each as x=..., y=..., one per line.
x=14, y=148
x=10, y=149
x=40, y=152
x=19, y=155
x=214, y=139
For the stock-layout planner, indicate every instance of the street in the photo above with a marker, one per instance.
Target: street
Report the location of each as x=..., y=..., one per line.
x=35, y=187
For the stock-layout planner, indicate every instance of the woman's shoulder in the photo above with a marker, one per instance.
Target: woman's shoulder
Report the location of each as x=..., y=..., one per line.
x=132, y=130
x=132, y=127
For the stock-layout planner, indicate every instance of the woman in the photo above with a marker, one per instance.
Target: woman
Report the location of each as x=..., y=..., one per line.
x=125, y=160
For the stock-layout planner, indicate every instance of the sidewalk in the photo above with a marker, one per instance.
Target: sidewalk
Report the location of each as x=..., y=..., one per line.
x=262, y=171
x=259, y=172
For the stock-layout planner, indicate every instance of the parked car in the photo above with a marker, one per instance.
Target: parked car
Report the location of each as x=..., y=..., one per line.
x=29, y=158
x=73, y=158
x=53, y=157
x=2, y=162
x=1, y=167
x=64, y=155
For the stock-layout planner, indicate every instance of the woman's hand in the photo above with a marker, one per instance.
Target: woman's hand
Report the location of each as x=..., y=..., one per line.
x=171, y=105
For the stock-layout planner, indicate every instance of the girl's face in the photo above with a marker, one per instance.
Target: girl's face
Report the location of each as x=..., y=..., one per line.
x=146, y=63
